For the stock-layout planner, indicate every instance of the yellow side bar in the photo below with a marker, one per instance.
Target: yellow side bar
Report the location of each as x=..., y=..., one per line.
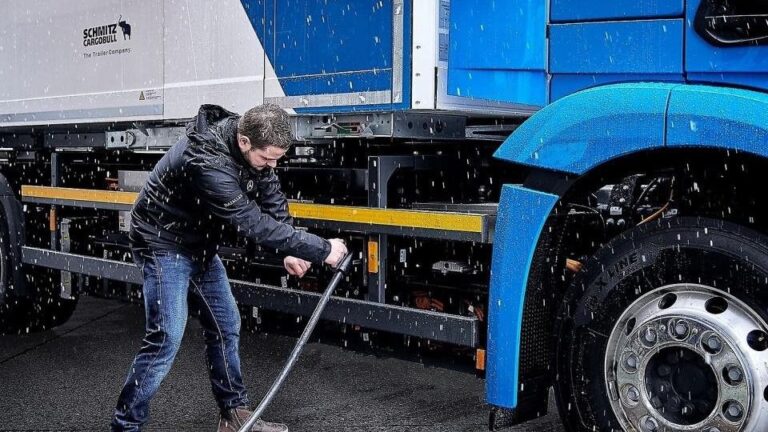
x=85, y=195
x=362, y=215
x=389, y=217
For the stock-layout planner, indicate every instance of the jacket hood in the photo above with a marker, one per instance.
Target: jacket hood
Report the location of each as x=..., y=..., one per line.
x=216, y=127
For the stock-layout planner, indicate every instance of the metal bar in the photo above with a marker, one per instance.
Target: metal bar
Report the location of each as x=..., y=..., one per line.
x=59, y=230
x=377, y=282
x=55, y=181
x=400, y=124
x=73, y=140
x=332, y=99
x=398, y=37
x=78, y=203
x=64, y=245
x=380, y=170
x=436, y=326
x=109, y=269
x=438, y=234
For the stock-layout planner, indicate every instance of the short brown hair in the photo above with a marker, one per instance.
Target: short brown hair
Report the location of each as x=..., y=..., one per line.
x=266, y=125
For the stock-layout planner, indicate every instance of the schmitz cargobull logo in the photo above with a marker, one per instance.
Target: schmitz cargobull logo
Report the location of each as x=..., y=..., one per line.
x=105, y=34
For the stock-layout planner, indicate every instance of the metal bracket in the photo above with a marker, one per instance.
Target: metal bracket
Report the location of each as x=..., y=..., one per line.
x=74, y=142
x=144, y=139
x=380, y=171
x=490, y=132
x=406, y=125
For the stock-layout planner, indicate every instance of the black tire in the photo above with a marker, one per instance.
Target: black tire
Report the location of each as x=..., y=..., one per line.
x=29, y=296
x=15, y=309
x=714, y=253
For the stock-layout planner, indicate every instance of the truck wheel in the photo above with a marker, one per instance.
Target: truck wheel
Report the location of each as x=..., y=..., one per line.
x=15, y=310
x=41, y=307
x=665, y=330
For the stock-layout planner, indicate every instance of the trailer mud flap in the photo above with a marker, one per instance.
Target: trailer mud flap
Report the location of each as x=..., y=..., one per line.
x=521, y=218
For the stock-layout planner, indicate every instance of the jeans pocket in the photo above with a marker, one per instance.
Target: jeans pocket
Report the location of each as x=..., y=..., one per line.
x=138, y=259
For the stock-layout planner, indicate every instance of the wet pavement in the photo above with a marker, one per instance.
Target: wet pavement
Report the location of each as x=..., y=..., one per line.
x=68, y=379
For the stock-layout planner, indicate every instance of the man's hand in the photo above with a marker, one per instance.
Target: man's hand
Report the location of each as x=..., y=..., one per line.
x=338, y=252
x=296, y=266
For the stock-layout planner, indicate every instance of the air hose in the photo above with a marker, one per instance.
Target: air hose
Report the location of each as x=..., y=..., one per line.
x=341, y=271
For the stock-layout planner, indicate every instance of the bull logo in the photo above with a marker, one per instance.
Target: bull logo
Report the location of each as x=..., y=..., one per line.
x=125, y=27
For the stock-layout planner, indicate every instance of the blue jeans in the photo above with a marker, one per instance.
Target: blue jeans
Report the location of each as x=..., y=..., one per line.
x=171, y=280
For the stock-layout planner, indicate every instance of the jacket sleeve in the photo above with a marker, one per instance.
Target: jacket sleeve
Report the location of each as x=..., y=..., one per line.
x=218, y=187
x=272, y=199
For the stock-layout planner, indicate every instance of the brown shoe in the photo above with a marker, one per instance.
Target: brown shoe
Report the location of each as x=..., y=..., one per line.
x=233, y=419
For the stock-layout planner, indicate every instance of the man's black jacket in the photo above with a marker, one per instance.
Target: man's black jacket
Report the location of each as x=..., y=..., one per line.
x=203, y=183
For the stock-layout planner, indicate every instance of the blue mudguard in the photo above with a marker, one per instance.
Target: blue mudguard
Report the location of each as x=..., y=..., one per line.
x=718, y=117
x=587, y=128
x=522, y=213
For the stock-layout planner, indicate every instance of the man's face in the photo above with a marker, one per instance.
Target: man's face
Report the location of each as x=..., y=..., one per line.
x=259, y=158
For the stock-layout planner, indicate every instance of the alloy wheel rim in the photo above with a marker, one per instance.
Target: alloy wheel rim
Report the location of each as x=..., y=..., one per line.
x=687, y=357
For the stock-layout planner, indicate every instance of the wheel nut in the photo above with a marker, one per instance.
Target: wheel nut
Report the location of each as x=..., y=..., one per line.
x=633, y=394
x=734, y=375
x=714, y=344
x=631, y=362
x=680, y=330
x=650, y=424
x=649, y=336
x=733, y=411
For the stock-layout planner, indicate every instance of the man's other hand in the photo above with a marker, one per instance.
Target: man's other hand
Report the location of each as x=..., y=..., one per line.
x=296, y=266
x=338, y=252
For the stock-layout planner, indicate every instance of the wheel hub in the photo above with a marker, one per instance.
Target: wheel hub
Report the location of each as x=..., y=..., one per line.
x=681, y=386
x=687, y=357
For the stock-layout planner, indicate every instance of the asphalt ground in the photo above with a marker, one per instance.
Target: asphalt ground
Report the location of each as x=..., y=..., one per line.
x=68, y=379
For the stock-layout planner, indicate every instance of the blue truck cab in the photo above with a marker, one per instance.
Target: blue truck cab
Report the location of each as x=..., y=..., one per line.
x=620, y=81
